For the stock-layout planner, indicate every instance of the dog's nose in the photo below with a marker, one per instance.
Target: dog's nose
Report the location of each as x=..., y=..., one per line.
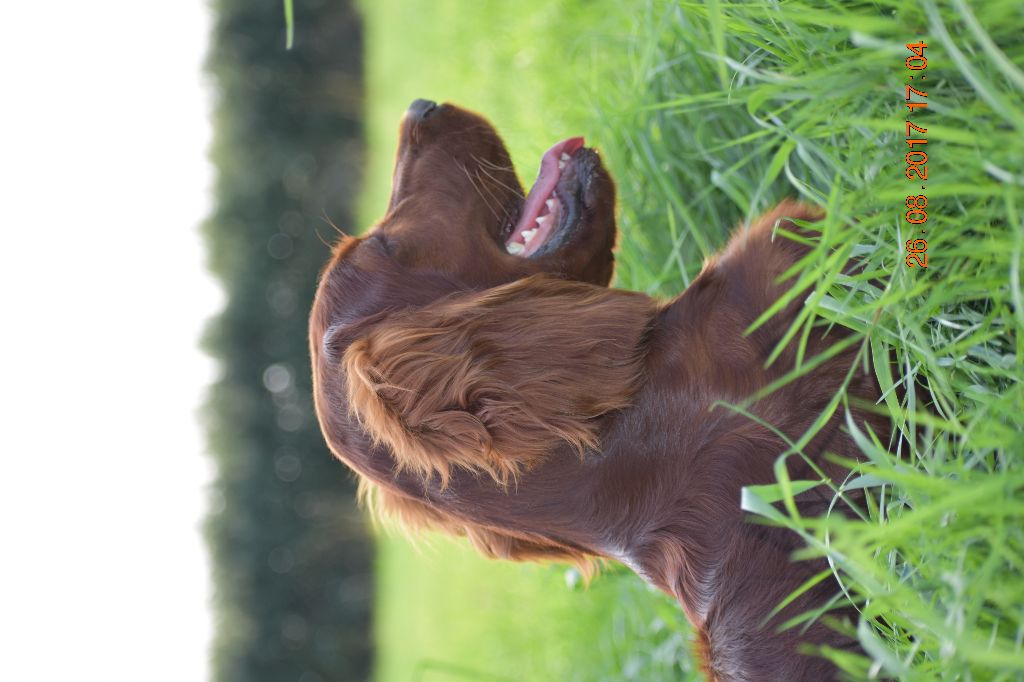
x=421, y=109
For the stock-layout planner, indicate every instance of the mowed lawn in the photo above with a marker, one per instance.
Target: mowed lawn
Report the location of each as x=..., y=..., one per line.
x=707, y=113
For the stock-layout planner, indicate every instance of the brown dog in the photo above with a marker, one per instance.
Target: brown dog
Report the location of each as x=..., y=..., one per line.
x=472, y=366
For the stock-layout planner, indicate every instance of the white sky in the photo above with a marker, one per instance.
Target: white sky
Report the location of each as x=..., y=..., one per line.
x=104, y=127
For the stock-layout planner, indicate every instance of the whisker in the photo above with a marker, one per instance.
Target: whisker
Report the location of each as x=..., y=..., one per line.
x=316, y=231
x=515, y=190
x=330, y=222
x=478, y=188
x=503, y=207
x=491, y=164
x=494, y=200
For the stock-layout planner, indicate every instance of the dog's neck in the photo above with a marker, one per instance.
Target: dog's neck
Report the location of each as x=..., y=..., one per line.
x=691, y=538
x=662, y=496
x=671, y=513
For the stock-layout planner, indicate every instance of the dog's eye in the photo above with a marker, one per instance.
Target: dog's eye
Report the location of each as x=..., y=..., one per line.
x=381, y=241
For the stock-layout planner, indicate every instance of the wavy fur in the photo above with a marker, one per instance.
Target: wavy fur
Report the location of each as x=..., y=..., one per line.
x=493, y=381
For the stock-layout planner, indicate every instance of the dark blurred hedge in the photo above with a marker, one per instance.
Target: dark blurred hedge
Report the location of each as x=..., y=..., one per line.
x=291, y=558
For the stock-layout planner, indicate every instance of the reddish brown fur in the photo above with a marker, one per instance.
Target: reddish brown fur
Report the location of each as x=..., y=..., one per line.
x=497, y=410
x=521, y=403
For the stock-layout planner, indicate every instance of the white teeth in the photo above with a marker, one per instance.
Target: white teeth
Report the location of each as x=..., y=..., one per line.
x=529, y=234
x=515, y=248
x=564, y=157
x=561, y=165
x=550, y=203
x=540, y=220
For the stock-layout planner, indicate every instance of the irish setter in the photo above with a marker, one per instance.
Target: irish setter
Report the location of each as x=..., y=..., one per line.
x=471, y=364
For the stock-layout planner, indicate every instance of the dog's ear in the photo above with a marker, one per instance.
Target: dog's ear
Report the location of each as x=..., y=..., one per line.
x=416, y=515
x=493, y=381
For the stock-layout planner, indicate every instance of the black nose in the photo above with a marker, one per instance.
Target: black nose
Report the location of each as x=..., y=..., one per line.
x=421, y=109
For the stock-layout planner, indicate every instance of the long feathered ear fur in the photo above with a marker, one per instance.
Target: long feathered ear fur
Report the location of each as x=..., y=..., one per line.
x=493, y=381
x=414, y=515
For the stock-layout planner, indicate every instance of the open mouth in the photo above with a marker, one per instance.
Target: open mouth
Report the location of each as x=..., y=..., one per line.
x=552, y=208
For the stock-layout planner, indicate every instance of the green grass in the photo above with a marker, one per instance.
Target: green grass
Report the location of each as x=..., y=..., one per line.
x=446, y=614
x=707, y=113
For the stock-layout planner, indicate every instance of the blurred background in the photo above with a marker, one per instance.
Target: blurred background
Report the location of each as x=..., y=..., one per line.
x=174, y=176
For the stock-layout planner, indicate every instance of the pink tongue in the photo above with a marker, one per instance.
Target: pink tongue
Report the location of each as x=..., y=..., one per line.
x=547, y=178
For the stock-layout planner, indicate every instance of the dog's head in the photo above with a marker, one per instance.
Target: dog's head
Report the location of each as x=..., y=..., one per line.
x=458, y=209
x=470, y=330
